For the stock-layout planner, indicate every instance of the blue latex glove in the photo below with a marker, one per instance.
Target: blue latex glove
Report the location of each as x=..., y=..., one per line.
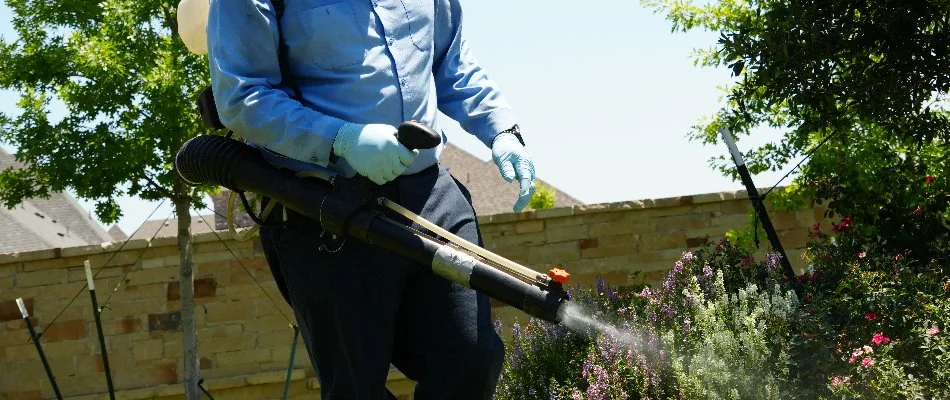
x=373, y=151
x=514, y=163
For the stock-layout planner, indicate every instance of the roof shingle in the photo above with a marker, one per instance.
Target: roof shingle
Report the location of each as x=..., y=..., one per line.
x=41, y=223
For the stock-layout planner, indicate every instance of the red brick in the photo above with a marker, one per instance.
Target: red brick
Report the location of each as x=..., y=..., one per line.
x=686, y=200
x=617, y=278
x=10, y=312
x=655, y=277
x=100, y=364
x=589, y=243
x=128, y=325
x=166, y=374
x=694, y=242
x=65, y=330
x=164, y=322
x=31, y=395
x=174, y=291
x=204, y=287
x=204, y=363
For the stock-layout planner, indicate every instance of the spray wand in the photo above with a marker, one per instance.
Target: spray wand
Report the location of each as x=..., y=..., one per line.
x=348, y=208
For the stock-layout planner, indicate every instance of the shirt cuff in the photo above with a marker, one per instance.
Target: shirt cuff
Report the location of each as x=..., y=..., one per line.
x=493, y=124
x=317, y=150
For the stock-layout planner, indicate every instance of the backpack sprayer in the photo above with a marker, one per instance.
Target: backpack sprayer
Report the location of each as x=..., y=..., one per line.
x=348, y=208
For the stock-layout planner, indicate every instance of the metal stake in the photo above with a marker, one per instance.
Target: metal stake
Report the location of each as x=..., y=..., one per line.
x=39, y=348
x=102, y=338
x=758, y=205
x=290, y=367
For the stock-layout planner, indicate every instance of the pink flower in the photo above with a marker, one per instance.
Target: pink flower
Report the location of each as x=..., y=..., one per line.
x=862, y=254
x=857, y=353
x=867, y=362
x=870, y=316
x=933, y=330
x=917, y=210
x=880, y=339
x=929, y=179
x=840, y=380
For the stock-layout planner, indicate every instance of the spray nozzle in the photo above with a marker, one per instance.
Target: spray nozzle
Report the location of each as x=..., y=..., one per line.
x=559, y=275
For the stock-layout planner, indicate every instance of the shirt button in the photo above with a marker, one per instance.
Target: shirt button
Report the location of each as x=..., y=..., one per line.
x=403, y=81
x=391, y=41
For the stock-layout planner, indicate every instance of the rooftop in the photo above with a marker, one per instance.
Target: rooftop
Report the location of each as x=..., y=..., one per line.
x=41, y=223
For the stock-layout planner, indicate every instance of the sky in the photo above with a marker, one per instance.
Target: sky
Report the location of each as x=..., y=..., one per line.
x=605, y=96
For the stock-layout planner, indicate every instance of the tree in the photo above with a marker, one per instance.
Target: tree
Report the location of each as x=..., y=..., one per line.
x=127, y=86
x=544, y=197
x=860, y=87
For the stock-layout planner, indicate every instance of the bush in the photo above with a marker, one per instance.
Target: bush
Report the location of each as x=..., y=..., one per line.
x=870, y=323
x=702, y=334
x=879, y=313
x=544, y=197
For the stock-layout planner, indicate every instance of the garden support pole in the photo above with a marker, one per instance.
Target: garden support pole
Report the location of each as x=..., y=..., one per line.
x=102, y=339
x=290, y=366
x=759, y=206
x=39, y=348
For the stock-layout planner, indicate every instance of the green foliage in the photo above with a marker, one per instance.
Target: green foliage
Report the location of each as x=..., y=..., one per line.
x=860, y=87
x=747, y=237
x=126, y=85
x=876, y=318
x=692, y=337
x=544, y=197
x=869, y=324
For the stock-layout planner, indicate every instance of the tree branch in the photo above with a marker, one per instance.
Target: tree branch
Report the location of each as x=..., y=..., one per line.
x=158, y=187
x=170, y=21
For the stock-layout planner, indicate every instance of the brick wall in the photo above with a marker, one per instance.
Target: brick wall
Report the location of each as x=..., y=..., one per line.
x=245, y=340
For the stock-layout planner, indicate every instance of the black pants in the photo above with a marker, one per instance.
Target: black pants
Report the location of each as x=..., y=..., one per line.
x=362, y=308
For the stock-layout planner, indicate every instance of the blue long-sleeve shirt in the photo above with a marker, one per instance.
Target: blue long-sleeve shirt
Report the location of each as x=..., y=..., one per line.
x=369, y=61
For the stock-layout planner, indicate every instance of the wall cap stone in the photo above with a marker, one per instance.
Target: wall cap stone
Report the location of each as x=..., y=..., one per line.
x=620, y=205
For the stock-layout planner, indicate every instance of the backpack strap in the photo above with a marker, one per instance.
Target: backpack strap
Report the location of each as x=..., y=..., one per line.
x=285, y=74
x=206, y=102
x=288, y=79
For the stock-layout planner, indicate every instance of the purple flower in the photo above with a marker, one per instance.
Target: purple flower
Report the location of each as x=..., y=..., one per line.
x=669, y=310
x=668, y=283
x=772, y=261
x=687, y=256
x=707, y=272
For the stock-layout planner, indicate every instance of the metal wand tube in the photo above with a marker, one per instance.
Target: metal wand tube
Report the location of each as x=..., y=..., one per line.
x=102, y=338
x=39, y=348
x=757, y=204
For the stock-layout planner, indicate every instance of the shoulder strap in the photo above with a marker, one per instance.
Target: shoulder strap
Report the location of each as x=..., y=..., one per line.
x=282, y=50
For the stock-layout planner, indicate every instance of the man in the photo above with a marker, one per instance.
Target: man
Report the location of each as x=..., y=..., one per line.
x=362, y=68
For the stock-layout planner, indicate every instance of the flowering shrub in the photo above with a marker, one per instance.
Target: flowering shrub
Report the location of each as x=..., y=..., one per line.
x=711, y=330
x=869, y=324
x=881, y=313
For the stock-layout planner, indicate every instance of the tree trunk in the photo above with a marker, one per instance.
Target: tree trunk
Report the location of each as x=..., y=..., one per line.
x=186, y=262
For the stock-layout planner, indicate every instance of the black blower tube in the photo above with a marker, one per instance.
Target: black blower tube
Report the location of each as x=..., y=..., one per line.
x=227, y=162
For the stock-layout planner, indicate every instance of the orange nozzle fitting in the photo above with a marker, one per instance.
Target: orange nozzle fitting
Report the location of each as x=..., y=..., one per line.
x=559, y=275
